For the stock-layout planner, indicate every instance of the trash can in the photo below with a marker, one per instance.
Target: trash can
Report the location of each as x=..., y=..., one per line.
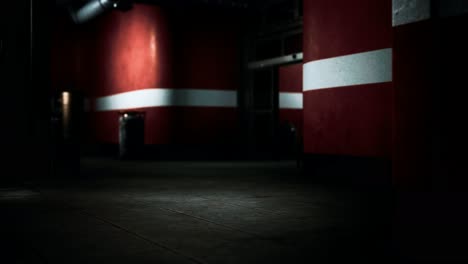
x=131, y=134
x=288, y=140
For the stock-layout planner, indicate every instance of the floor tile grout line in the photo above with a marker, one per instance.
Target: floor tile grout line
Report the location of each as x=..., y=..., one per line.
x=215, y=223
x=262, y=211
x=212, y=222
x=260, y=236
x=243, y=206
x=252, y=234
x=174, y=251
x=191, y=258
x=256, y=235
x=259, y=210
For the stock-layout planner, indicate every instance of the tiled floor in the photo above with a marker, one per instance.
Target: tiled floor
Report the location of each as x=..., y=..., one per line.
x=183, y=212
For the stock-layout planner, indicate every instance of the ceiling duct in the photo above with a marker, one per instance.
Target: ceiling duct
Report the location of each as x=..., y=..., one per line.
x=94, y=8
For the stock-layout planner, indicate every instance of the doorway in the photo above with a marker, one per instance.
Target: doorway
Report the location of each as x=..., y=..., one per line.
x=264, y=112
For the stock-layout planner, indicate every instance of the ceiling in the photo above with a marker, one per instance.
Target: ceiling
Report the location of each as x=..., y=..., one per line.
x=230, y=4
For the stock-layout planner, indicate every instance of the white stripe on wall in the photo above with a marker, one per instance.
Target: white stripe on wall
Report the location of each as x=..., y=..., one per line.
x=290, y=100
x=167, y=97
x=356, y=69
x=410, y=11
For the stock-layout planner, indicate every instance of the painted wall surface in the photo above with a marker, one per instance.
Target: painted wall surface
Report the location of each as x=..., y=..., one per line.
x=451, y=101
x=133, y=50
x=340, y=27
x=413, y=50
x=65, y=54
x=148, y=47
x=428, y=101
x=290, y=78
x=290, y=83
x=428, y=169
x=347, y=103
x=207, y=49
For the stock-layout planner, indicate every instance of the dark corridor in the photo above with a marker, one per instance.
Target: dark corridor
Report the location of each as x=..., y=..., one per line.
x=233, y=131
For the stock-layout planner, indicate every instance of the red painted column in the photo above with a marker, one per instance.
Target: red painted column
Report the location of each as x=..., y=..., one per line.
x=185, y=55
x=132, y=51
x=429, y=104
x=206, y=57
x=354, y=118
x=427, y=52
x=451, y=99
x=414, y=46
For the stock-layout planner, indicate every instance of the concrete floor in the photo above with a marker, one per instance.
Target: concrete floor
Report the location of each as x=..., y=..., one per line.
x=183, y=212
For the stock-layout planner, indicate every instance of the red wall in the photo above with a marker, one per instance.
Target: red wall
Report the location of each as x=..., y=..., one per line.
x=150, y=47
x=65, y=54
x=351, y=120
x=450, y=129
x=428, y=169
x=413, y=50
x=290, y=80
x=429, y=103
x=340, y=27
x=132, y=50
x=207, y=47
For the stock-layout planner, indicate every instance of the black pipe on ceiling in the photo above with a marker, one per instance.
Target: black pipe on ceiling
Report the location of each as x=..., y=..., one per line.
x=81, y=13
x=94, y=8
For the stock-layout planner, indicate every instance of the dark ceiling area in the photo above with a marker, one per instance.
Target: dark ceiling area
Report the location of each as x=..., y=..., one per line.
x=230, y=4
x=250, y=4
x=267, y=14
